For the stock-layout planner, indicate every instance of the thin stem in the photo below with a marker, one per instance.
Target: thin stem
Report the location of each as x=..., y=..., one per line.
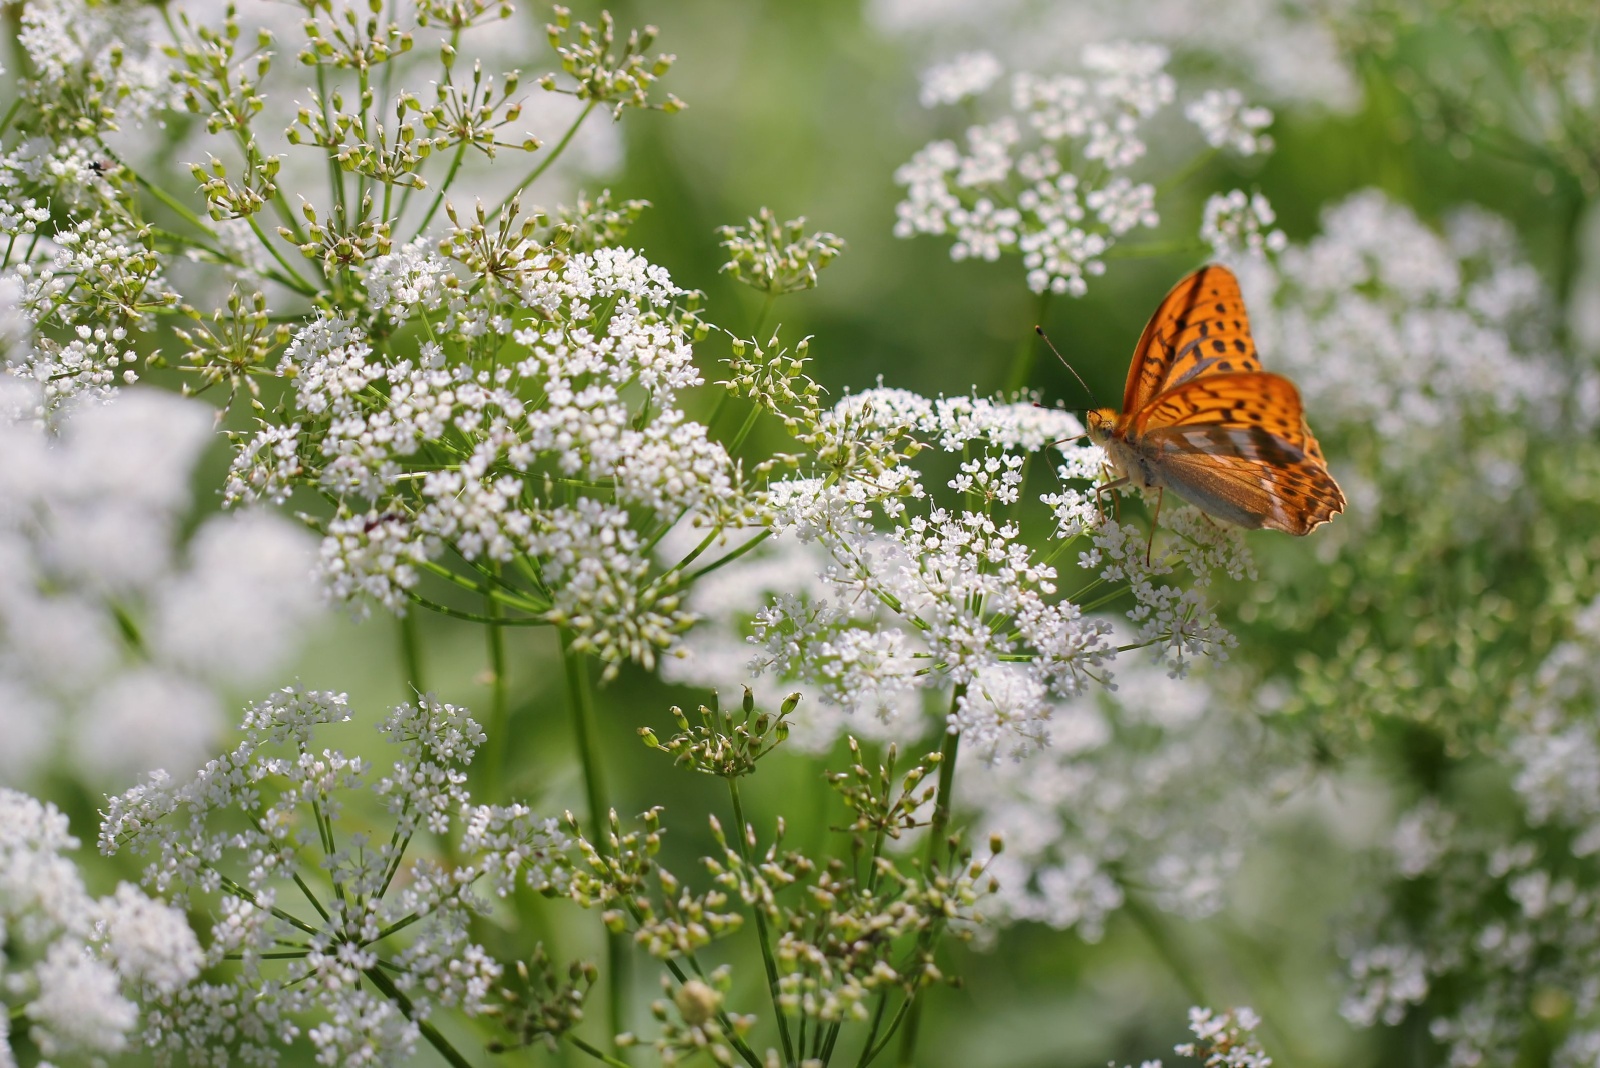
x=900, y=1015
x=580, y=700
x=597, y=1054
x=1180, y=967
x=473, y=617
x=731, y=557
x=761, y=928
x=411, y=655
x=761, y=320
x=744, y=430
x=272, y=250
x=931, y=859
x=444, y=186
x=1027, y=351
x=499, y=704
x=555, y=154
x=386, y=986
x=11, y=113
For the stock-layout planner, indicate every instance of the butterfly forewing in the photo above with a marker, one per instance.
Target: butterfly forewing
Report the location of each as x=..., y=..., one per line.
x=1201, y=418
x=1200, y=328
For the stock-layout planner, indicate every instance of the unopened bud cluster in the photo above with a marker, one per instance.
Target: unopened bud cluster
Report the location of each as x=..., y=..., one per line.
x=723, y=744
x=777, y=257
x=620, y=81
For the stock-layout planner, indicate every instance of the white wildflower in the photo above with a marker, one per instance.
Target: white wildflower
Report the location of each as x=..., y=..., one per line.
x=966, y=75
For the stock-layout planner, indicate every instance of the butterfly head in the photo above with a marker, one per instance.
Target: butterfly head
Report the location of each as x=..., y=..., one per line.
x=1100, y=422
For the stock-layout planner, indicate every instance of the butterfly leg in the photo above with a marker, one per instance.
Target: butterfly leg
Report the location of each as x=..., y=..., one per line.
x=1102, y=489
x=1154, y=519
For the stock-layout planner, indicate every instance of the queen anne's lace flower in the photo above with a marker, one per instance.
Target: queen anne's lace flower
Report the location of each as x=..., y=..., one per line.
x=119, y=633
x=566, y=388
x=913, y=594
x=306, y=914
x=73, y=966
x=1007, y=190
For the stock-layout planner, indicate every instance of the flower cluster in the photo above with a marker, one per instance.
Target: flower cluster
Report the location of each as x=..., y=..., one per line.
x=843, y=941
x=1289, y=50
x=1149, y=792
x=71, y=960
x=1412, y=340
x=1227, y=1040
x=910, y=592
x=321, y=931
x=533, y=425
x=81, y=277
x=1238, y=225
x=1050, y=181
x=121, y=633
x=1483, y=922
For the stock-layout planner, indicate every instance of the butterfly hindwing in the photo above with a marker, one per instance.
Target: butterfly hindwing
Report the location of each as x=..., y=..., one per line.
x=1237, y=446
x=1295, y=499
x=1199, y=329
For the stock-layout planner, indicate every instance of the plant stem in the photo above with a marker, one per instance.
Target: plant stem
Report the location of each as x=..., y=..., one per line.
x=761, y=319
x=555, y=154
x=761, y=927
x=597, y=1054
x=1027, y=350
x=931, y=858
x=444, y=187
x=499, y=704
x=386, y=986
x=580, y=700
x=411, y=655
x=1161, y=940
x=744, y=431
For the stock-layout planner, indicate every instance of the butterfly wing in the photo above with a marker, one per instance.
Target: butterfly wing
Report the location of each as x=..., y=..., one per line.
x=1200, y=328
x=1237, y=446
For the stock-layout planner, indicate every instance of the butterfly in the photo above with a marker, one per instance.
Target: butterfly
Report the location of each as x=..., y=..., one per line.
x=1201, y=418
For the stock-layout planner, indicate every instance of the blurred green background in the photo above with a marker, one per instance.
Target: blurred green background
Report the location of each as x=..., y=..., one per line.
x=805, y=107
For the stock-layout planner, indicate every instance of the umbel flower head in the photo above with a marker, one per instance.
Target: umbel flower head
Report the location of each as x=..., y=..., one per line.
x=121, y=634
x=916, y=589
x=75, y=966
x=777, y=258
x=319, y=931
x=1053, y=180
x=81, y=276
x=526, y=425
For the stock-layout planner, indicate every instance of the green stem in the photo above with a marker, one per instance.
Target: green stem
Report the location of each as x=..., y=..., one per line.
x=386, y=986
x=761, y=927
x=597, y=1054
x=272, y=250
x=11, y=113
x=731, y=557
x=444, y=186
x=901, y=1015
x=931, y=859
x=744, y=431
x=411, y=655
x=555, y=154
x=761, y=320
x=1027, y=350
x=580, y=700
x=499, y=705
x=1174, y=958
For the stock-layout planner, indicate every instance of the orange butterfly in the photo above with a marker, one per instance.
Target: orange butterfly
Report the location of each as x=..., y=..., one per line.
x=1201, y=418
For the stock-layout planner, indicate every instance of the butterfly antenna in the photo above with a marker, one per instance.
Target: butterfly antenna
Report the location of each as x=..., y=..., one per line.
x=1040, y=331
